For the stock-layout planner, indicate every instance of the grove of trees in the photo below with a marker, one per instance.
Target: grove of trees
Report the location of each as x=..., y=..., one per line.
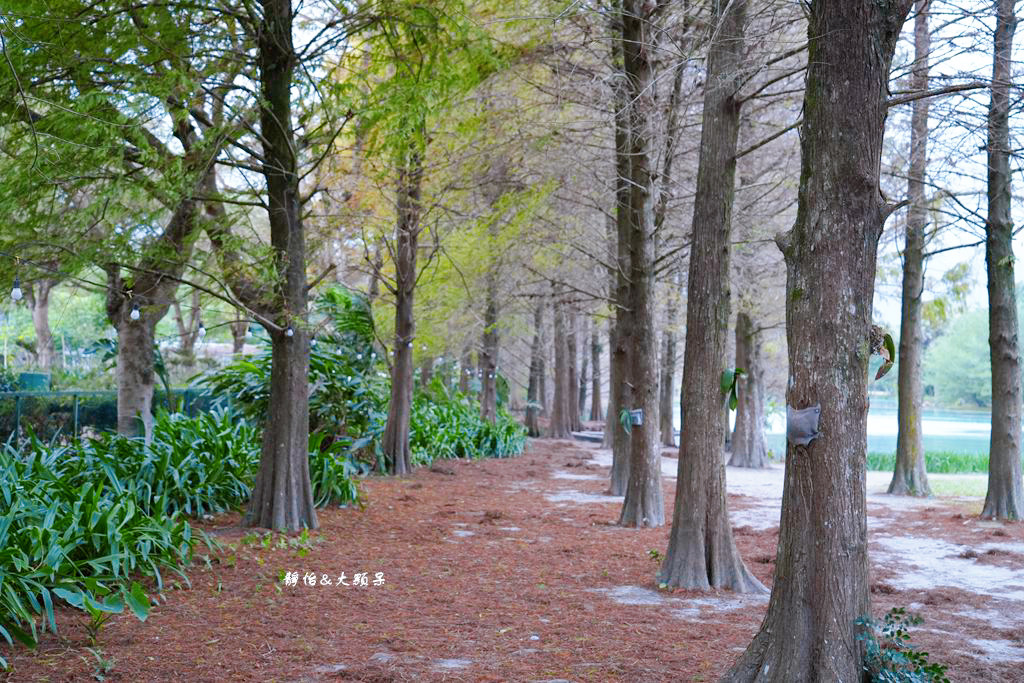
x=570, y=210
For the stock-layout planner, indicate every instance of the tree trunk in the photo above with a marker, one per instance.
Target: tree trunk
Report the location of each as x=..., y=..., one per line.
x=619, y=342
x=426, y=372
x=572, y=358
x=702, y=552
x=910, y=478
x=466, y=370
x=644, y=504
x=187, y=329
x=748, y=446
x=282, y=497
x=666, y=386
x=489, y=353
x=542, y=374
x=136, y=377
x=373, y=290
x=536, y=367
x=821, y=572
x=1005, y=497
x=239, y=330
x=151, y=292
x=584, y=358
x=560, y=427
x=596, y=414
x=37, y=295
x=395, y=442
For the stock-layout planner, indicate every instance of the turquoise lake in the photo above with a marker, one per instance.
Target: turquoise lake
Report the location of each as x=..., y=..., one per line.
x=962, y=431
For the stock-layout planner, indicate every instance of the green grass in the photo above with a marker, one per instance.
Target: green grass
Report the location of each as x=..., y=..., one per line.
x=948, y=462
x=973, y=485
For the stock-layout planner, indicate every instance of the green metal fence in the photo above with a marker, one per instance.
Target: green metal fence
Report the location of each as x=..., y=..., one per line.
x=49, y=413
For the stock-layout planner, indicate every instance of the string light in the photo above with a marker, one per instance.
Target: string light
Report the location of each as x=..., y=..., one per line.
x=201, y=331
x=289, y=332
x=135, y=314
x=16, y=293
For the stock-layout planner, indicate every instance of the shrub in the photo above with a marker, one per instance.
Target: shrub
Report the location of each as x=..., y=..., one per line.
x=76, y=537
x=888, y=655
x=447, y=424
x=82, y=519
x=935, y=461
x=348, y=402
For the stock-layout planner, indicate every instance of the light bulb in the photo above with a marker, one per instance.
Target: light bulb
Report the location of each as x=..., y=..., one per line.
x=312, y=342
x=359, y=356
x=135, y=314
x=16, y=293
x=410, y=345
x=201, y=331
x=289, y=332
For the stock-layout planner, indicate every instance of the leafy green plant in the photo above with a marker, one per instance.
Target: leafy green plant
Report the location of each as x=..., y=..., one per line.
x=348, y=405
x=943, y=462
x=888, y=655
x=447, y=424
x=77, y=538
x=730, y=378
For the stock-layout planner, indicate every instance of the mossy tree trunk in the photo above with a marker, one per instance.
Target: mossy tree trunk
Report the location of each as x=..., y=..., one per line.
x=702, y=552
x=910, y=477
x=1005, y=497
x=748, y=445
x=820, y=584
x=644, y=504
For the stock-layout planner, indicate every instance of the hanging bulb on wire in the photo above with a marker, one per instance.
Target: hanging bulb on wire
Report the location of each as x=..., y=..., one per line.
x=16, y=293
x=289, y=332
x=135, y=314
x=201, y=331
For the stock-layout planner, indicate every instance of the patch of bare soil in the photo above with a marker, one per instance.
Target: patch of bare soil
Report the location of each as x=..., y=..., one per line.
x=493, y=570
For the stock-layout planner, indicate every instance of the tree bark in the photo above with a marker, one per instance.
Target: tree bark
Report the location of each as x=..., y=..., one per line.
x=910, y=478
x=748, y=446
x=395, y=442
x=136, y=377
x=584, y=358
x=466, y=370
x=282, y=497
x=489, y=353
x=821, y=572
x=239, y=330
x=1005, y=497
x=702, y=552
x=37, y=295
x=188, y=330
x=560, y=423
x=426, y=372
x=596, y=414
x=572, y=358
x=536, y=368
x=620, y=336
x=644, y=504
x=152, y=291
x=666, y=387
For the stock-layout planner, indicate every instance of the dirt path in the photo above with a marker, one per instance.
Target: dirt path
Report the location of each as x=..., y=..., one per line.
x=513, y=570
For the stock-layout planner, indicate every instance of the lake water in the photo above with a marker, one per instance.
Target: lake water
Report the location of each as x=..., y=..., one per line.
x=961, y=431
